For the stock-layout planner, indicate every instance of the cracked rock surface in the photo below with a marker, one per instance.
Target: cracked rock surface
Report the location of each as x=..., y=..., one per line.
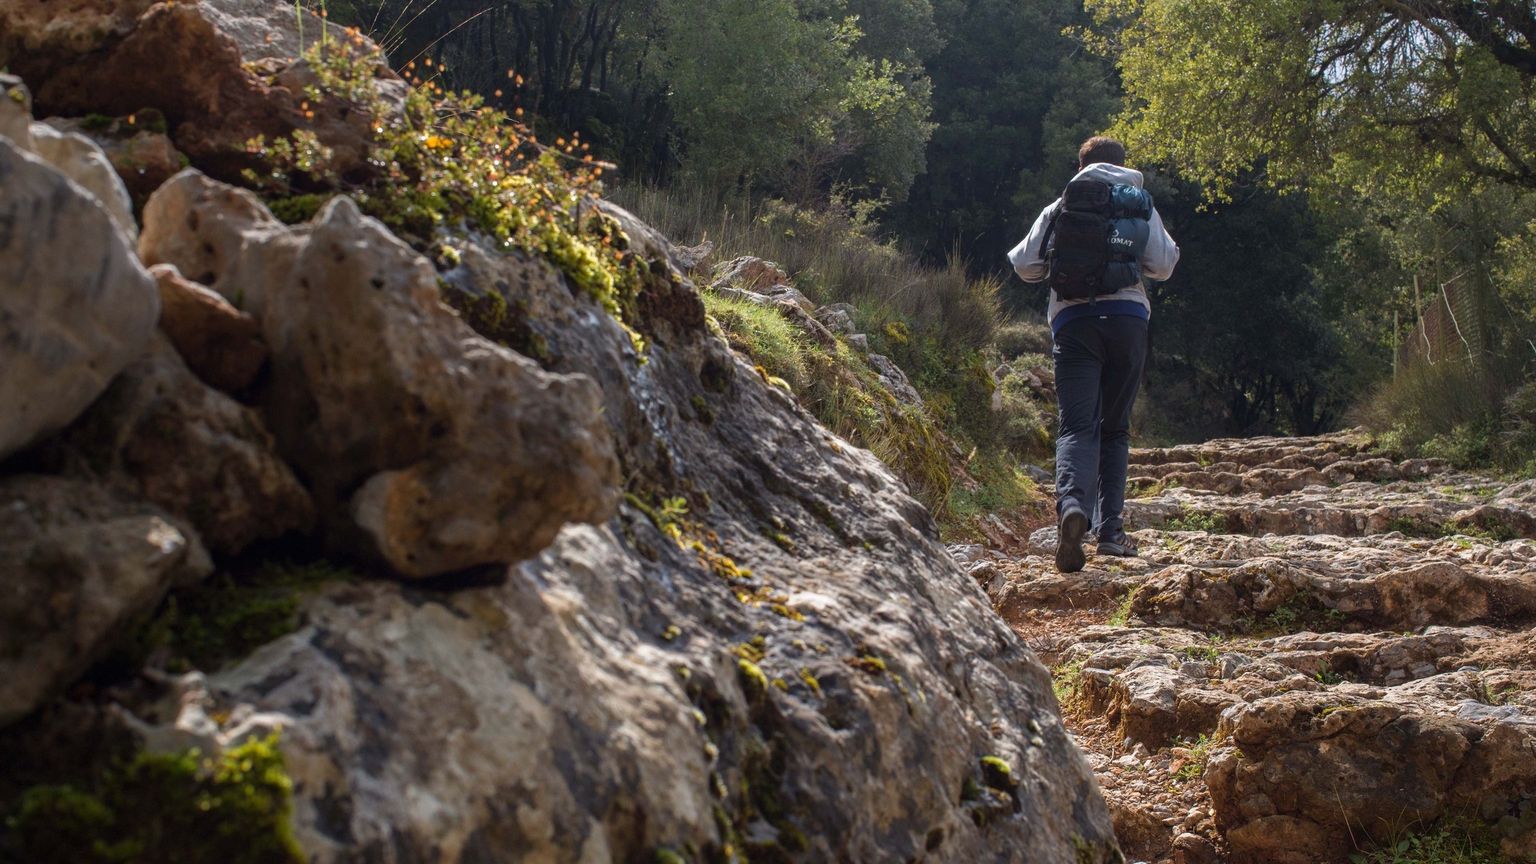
x=1317, y=647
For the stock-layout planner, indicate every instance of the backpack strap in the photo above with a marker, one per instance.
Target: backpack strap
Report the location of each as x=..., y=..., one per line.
x=1045, y=240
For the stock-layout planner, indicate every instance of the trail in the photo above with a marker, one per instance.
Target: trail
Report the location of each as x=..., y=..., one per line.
x=1319, y=650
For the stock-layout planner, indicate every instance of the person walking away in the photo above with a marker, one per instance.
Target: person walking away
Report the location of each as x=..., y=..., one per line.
x=1095, y=246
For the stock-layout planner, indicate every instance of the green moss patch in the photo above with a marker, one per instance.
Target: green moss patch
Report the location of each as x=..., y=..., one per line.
x=228, y=616
x=154, y=808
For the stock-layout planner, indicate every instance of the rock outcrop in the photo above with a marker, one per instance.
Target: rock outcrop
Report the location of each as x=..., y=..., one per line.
x=631, y=602
x=220, y=72
x=436, y=448
x=1309, y=670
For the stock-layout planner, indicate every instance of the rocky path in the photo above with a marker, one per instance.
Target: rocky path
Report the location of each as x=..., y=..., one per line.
x=1319, y=651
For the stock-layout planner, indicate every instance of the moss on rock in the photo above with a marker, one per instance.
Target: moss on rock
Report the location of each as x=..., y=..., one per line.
x=182, y=808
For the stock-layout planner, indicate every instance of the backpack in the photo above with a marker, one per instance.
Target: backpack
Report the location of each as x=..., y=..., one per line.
x=1100, y=232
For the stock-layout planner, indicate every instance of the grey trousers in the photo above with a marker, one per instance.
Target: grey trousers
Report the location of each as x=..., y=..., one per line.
x=1099, y=363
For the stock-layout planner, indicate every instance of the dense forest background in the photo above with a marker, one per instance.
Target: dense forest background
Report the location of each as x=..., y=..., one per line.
x=1353, y=185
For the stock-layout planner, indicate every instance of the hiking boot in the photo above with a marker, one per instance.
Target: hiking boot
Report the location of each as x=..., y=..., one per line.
x=1119, y=546
x=1069, y=540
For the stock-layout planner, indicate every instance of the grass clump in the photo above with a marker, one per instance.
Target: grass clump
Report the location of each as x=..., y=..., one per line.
x=185, y=808
x=1199, y=753
x=1454, y=843
x=1067, y=681
x=1198, y=520
x=997, y=485
x=838, y=385
x=1122, y=614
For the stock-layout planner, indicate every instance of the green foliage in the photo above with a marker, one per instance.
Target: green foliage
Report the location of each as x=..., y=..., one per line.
x=447, y=161
x=1410, y=96
x=1013, y=97
x=790, y=96
x=1198, y=520
x=1066, y=682
x=233, y=810
x=843, y=391
x=1199, y=753
x=998, y=486
x=762, y=90
x=1122, y=614
x=1452, y=843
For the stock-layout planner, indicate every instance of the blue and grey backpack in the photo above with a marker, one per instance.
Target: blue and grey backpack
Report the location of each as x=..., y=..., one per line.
x=1096, y=239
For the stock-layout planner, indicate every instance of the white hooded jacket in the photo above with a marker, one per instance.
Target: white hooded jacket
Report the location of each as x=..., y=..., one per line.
x=1157, y=262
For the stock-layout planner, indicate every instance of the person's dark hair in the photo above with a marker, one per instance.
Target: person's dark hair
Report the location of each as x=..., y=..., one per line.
x=1100, y=149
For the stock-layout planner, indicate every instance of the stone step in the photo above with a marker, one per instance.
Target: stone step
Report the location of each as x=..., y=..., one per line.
x=1352, y=511
x=1282, y=452
x=1230, y=478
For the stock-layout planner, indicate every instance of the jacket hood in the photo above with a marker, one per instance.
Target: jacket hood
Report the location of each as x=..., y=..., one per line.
x=1111, y=174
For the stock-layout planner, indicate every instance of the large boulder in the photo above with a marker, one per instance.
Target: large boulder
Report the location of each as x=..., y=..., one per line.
x=161, y=435
x=69, y=321
x=426, y=446
x=767, y=652
x=79, y=567
x=220, y=72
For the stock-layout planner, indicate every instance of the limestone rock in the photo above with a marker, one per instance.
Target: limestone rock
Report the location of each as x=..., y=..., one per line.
x=72, y=154
x=880, y=681
x=837, y=317
x=221, y=344
x=1312, y=764
x=220, y=71
x=142, y=157
x=164, y=436
x=79, y=567
x=208, y=230
x=895, y=380
x=430, y=442
x=750, y=274
x=79, y=159
x=68, y=321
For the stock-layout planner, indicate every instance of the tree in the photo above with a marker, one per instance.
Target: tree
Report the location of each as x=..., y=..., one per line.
x=1013, y=98
x=1394, y=95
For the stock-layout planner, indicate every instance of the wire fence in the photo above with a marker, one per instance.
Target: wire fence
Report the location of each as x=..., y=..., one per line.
x=1455, y=324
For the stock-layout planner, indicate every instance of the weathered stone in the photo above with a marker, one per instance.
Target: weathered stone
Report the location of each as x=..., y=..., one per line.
x=750, y=274
x=143, y=158
x=1314, y=766
x=878, y=665
x=837, y=317
x=221, y=72
x=894, y=379
x=79, y=159
x=68, y=321
x=162, y=435
x=430, y=441
x=80, y=566
x=221, y=344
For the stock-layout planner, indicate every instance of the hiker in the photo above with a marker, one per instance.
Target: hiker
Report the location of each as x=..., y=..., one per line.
x=1094, y=246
